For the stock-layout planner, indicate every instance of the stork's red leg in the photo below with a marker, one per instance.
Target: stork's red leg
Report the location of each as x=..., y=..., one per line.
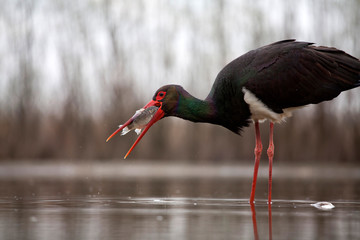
x=270, y=153
x=257, y=151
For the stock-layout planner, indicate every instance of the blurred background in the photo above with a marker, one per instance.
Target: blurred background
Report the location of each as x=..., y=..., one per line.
x=72, y=71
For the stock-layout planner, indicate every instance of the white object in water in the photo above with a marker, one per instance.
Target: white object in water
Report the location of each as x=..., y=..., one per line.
x=323, y=205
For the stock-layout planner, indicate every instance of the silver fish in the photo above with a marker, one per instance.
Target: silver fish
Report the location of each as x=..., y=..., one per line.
x=140, y=119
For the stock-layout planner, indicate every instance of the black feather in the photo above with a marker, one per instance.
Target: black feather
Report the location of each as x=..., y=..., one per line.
x=282, y=75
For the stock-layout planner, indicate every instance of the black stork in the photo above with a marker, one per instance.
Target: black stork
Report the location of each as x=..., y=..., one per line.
x=267, y=83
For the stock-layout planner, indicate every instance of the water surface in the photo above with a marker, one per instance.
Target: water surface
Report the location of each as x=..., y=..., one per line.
x=171, y=201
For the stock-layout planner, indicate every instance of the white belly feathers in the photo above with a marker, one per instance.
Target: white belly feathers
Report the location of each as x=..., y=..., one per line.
x=260, y=112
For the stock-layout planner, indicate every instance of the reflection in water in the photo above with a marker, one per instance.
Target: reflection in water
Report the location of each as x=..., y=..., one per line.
x=208, y=207
x=270, y=220
x=253, y=215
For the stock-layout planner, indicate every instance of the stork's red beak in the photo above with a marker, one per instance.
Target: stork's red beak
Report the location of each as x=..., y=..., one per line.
x=157, y=116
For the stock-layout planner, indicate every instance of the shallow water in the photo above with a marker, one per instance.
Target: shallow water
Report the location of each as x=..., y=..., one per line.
x=147, y=201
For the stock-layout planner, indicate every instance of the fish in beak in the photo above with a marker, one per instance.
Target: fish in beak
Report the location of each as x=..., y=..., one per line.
x=143, y=118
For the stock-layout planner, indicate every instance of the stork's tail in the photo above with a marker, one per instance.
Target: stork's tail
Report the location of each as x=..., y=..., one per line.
x=347, y=67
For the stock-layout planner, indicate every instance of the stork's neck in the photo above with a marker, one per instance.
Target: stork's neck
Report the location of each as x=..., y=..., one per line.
x=211, y=110
x=194, y=109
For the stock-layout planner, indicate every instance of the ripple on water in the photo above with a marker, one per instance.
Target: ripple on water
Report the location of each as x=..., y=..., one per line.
x=170, y=203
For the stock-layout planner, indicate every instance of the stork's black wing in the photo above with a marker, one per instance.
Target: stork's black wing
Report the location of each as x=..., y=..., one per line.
x=290, y=74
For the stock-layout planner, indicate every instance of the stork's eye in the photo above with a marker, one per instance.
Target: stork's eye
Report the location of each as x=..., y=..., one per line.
x=160, y=95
